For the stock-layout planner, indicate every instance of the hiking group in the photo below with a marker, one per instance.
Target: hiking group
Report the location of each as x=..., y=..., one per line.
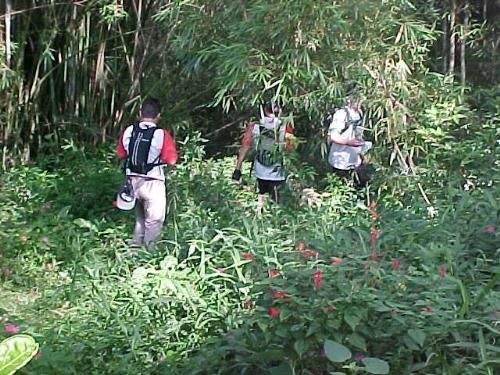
x=146, y=148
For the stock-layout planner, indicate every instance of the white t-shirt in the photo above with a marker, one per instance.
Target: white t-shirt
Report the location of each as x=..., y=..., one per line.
x=342, y=156
x=274, y=172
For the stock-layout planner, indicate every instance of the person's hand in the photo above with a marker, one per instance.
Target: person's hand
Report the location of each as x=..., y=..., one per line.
x=355, y=143
x=236, y=176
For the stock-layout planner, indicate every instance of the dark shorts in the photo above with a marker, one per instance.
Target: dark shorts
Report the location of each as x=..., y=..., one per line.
x=270, y=187
x=359, y=175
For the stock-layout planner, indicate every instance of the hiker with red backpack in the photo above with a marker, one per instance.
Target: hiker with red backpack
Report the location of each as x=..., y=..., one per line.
x=269, y=138
x=146, y=148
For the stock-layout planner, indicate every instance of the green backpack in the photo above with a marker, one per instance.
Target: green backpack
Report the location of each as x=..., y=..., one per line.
x=269, y=145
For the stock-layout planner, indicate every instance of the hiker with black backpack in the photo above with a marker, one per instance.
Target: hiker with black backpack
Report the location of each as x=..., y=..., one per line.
x=146, y=148
x=346, y=143
x=269, y=138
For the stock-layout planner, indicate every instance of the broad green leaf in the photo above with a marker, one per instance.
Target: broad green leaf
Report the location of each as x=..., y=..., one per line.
x=336, y=352
x=283, y=369
x=358, y=341
x=417, y=335
x=375, y=366
x=15, y=352
x=352, y=320
x=300, y=347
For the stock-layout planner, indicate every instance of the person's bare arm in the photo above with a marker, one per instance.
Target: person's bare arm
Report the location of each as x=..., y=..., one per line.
x=241, y=156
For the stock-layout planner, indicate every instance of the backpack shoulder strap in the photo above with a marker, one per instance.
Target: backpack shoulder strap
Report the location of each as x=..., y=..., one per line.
x=347, y=121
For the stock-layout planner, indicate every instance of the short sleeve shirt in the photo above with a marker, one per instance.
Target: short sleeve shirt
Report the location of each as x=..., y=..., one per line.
x=342, y=156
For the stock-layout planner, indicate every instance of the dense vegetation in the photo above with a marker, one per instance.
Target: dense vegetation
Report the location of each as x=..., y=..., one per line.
x=399, y=278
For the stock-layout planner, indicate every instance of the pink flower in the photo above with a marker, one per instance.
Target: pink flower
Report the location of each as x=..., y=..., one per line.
x=11, y=329
x=273, y=273
x=375, y=216
x=336, y=261
x=427, y=310
x=219, y=270
x=248, y=304
x=372, y=206
x=374, y=256
x=279, y=295
x=301, y=245
x=395, y=264
x=44, y=240
x=318, y=278
x=443, y=270
x=38, y=355
x=248, y=256
x=273, y=312
x=490, y=229
x=359, y=357
x=374, y=236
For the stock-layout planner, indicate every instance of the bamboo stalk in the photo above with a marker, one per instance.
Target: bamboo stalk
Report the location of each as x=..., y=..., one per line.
x=463, y=42
x=8, y=18
x=453, y=17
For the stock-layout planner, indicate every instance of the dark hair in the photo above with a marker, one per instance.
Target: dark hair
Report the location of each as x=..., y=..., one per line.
x=150, y=108
x=271, y=107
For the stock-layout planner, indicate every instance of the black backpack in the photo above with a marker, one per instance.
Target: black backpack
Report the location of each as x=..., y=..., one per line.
x=138, y=150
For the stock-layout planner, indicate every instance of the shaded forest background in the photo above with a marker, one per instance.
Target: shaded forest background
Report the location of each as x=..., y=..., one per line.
x=73, y=73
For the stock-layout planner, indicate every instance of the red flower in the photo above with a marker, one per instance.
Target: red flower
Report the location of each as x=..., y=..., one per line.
x=248, y=304
x=248, y=256
x=318, y=278
x=336, y=261
x=374, y=256
x=443, y=270
x=427, y=309
x=374, y=236
x=372, y=206
x=273, y=273
x=395, y=264
x=279, y=295
x=375, y=216
x=307, y=254
x=359, y=357
x=11, y=329
x=301, y=245
x=490, y=229
x=273, y=312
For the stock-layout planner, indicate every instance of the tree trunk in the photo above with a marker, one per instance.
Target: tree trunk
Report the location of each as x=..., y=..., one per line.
x=463, y=43
x=453, y=17
x=445, y=46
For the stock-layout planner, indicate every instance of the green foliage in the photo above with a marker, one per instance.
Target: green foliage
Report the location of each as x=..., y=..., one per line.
x=15, y=352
